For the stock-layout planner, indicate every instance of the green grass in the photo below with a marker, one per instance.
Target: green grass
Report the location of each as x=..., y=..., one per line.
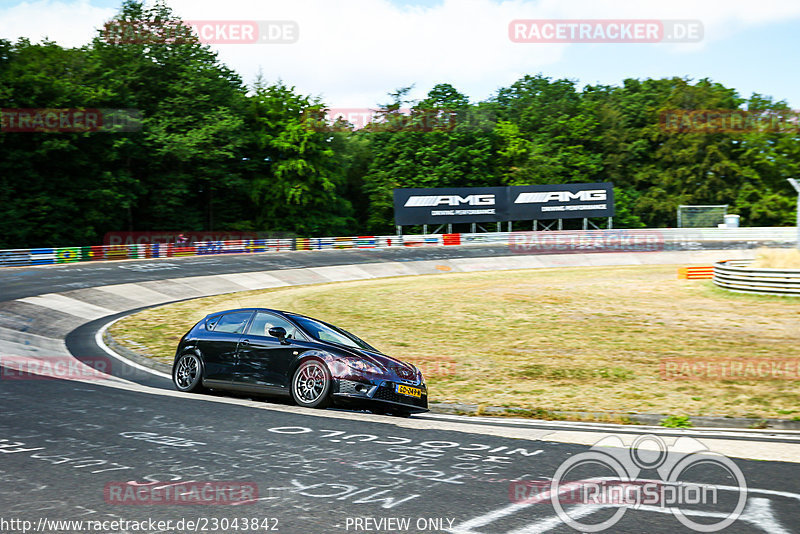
x=571, y=339
x=677, y=421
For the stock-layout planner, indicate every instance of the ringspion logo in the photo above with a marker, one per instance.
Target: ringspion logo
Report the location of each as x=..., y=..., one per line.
x=591, y=491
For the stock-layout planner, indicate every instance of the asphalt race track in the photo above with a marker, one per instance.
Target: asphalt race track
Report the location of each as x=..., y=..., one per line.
x=102, y=451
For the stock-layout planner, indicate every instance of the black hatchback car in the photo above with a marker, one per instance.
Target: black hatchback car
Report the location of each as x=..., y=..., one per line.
x=270, y=352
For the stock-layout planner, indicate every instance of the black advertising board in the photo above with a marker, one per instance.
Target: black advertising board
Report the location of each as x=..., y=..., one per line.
x=566, y=201
x=450, y=205
x=415, y=206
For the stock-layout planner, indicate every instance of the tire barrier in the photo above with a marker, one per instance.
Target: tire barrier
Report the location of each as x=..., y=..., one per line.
x=736, y=275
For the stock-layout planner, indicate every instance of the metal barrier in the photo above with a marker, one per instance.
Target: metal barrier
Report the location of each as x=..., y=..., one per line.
x=735, y=275
x=522, y=242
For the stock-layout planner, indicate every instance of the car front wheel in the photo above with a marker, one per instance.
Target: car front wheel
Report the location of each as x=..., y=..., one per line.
x=188, y=374
x=311, y=385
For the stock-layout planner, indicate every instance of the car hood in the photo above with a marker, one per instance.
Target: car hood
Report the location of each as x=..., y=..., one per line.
x=400, y=368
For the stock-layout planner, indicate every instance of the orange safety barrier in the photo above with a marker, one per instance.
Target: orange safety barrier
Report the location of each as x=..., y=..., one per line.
x=451, y=239
x=695, y=273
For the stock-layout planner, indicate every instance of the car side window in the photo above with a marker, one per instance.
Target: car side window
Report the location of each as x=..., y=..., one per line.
x=233, y=323
x=264, y=321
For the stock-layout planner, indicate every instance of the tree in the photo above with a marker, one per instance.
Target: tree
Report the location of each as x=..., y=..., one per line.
x=549, y=133
x=294, y=178
x=430, y=150
x=186, y=159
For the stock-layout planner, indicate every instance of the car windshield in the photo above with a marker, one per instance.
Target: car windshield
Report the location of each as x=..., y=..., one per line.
x=329, y=333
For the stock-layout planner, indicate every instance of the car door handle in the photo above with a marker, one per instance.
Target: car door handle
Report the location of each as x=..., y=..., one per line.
x=245, y=342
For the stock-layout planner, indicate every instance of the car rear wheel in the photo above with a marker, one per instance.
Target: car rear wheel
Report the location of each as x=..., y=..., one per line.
x=311, y=385
x=188, y=374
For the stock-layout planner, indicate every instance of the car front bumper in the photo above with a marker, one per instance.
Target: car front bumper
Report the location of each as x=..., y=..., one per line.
x=384, y=393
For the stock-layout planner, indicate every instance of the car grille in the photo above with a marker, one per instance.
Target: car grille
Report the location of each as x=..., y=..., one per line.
x=388, y=393
x=347, y=387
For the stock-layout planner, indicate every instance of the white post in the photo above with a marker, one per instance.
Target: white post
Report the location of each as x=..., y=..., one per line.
x=797, y=188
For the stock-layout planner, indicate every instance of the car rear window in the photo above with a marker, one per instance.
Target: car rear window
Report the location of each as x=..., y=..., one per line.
x=231, y=323
x=211, y=322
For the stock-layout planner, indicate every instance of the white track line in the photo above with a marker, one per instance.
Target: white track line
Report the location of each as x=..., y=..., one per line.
x=98, y=338
x=634, y=429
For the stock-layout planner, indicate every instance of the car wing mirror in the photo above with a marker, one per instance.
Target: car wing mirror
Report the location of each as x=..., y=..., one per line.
x=280, y=333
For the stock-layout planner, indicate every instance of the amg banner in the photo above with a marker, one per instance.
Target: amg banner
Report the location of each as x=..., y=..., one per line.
x=568, y=201
x=450, y=205
x=494, y=204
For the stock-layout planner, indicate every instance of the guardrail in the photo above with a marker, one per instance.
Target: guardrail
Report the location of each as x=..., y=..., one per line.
x=735, y=275
x=541, y=242
x=59, y=255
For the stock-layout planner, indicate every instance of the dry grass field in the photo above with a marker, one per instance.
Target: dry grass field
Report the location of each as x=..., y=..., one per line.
x=575, y=339
x=777, y=258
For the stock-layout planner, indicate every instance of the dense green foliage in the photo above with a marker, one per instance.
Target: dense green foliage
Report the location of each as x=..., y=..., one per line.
x=214, y=154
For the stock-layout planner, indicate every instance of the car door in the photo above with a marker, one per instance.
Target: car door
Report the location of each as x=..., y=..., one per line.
x=218, y=345
x=263, y=361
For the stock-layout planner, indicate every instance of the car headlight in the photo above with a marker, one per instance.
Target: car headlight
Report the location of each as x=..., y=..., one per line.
x=360, y=365
x=420, y=378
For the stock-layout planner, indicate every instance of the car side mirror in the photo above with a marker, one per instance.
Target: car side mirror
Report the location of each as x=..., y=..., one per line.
x=280, y=333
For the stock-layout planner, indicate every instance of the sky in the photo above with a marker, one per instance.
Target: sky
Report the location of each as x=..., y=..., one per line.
x=351, y=53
